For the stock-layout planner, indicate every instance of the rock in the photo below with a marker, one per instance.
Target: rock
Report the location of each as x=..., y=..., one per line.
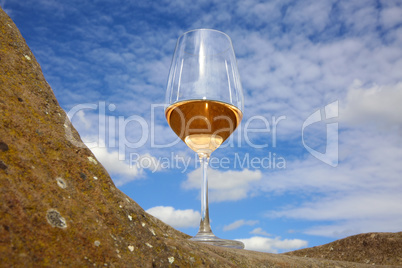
x=53, y=214
x=2, y=165
x=3, y=146
x=370, y=248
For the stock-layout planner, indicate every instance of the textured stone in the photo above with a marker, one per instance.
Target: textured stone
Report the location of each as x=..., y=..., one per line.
x=370, y=248
x=3, y=146
x=53, y=215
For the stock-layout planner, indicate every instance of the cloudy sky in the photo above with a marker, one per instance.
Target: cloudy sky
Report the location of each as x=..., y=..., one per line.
x=318, y=154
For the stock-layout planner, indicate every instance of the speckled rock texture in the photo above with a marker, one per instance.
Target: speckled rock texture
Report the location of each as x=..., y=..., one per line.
x=58, y=205
x=370, y=248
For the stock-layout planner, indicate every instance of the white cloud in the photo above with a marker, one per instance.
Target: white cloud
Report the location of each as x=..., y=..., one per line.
x=308, y=17
x=175, y=217
x=238, y=224
x=378, y=104
x=123, y=165
x=257, y=12
x=391, y=16
x=355, y=206
x=260, y=231
x=362, y=209
x=120, y=170
x=305, y=75
x=4, y=7
x=369, y=159
x=272, y=245
x=83, y=119
x=356, y=226
x=224, y=186
x=362, y=194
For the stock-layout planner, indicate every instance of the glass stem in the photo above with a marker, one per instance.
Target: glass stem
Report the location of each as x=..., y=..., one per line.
x=205, y=227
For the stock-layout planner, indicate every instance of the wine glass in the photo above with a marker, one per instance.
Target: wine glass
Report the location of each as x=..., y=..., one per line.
x=204, y=104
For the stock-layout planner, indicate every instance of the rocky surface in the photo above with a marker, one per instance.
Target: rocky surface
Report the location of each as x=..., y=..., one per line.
x=59, y=207
x=370, y=248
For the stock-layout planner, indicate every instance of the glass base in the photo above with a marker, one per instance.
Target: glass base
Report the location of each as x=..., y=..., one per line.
x=211, y=239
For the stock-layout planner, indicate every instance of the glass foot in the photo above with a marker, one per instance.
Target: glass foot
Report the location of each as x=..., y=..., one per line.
x=211, y=239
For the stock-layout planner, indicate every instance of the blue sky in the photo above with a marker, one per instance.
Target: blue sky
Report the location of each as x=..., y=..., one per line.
x=323, y=92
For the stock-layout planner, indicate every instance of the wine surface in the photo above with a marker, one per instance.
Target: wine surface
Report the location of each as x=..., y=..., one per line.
x=203, y=124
